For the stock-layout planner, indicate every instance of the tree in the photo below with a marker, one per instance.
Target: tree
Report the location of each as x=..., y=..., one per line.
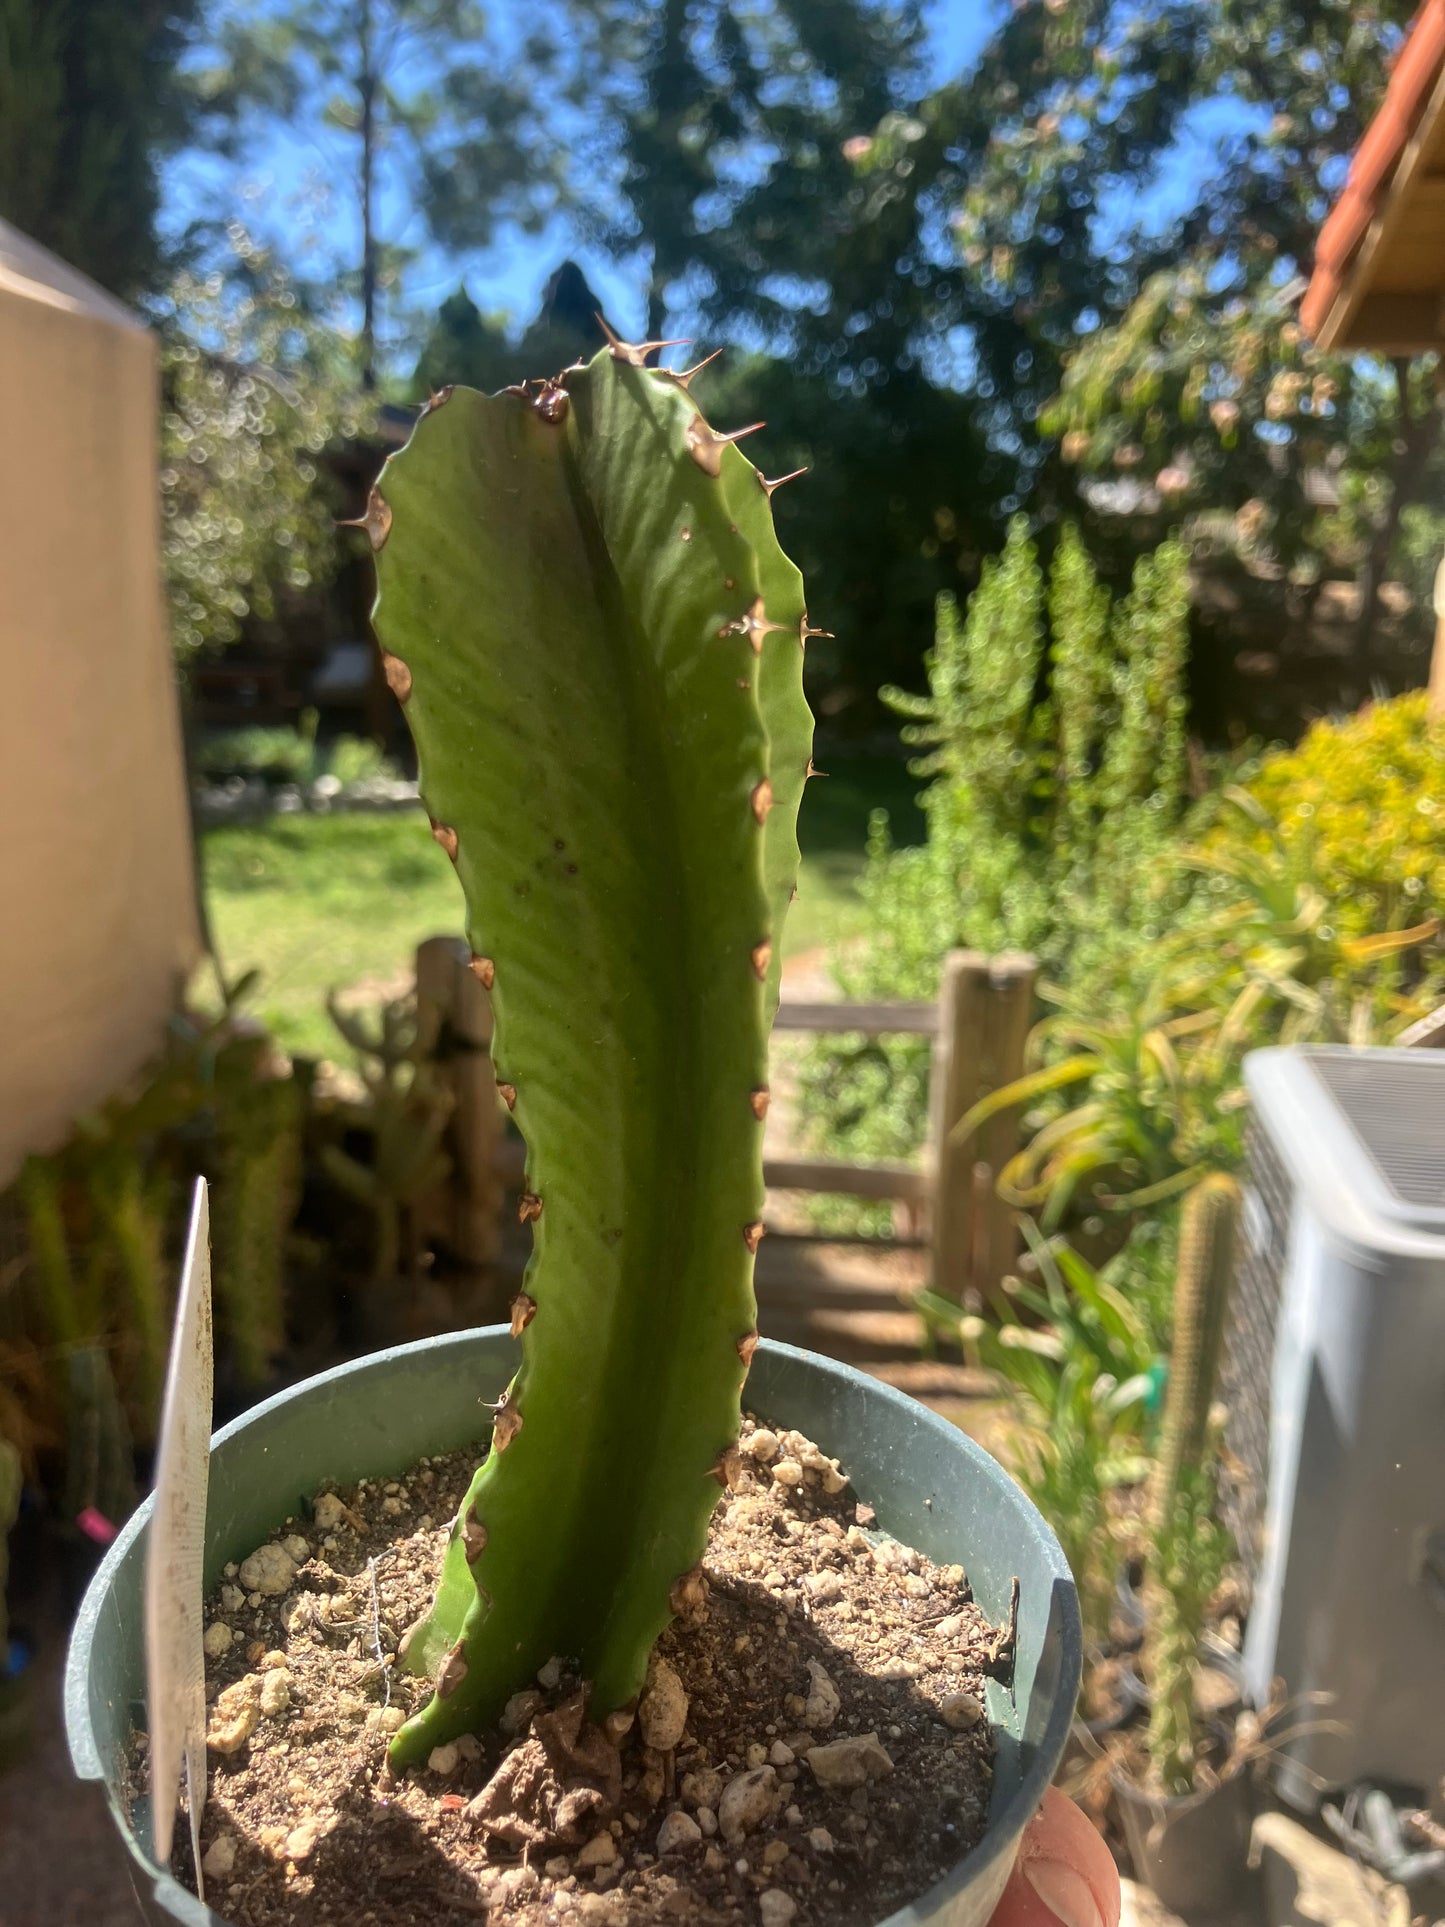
x=254, y=389
x=716, y=164
x=412, y=89
x=463, y=346
x=1206, y=384
x=90, y=102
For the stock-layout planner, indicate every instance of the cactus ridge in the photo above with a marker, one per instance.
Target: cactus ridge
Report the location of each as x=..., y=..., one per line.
x=600, y=642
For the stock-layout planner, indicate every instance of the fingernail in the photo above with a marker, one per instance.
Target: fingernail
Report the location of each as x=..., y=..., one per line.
x=1064, y=1892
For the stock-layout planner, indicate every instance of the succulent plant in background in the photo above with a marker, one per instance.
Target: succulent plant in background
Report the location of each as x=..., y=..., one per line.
x=406, y=1115
x=1189, y=1547
x=599, y=645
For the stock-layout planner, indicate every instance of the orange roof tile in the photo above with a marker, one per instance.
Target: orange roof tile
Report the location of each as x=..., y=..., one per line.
x=1416, y=72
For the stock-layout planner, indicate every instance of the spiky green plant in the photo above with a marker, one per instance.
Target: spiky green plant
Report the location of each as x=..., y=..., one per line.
x=1207, y=1229
x=599, y=644
x=1187, y=1561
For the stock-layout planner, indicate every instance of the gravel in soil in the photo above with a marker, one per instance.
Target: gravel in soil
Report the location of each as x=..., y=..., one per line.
x=811, y=1745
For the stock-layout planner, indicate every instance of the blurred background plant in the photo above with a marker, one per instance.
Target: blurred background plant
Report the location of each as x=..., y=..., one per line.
x=277, y=754
x=404, y=1115
x=255, y=387
x=1078, y=1372
x=85, y=1313
x=1054, y=732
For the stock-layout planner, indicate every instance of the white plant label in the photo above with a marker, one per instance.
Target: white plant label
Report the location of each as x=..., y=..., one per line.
x=174, y=1600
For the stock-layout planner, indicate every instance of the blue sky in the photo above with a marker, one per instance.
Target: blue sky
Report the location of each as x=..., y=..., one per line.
x=291, y=185
x=298, y=184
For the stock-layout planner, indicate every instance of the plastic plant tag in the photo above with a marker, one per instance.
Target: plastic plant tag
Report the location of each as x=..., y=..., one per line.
x=174, y=1599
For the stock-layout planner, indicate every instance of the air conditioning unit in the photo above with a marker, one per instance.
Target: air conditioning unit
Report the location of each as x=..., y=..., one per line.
x=1334, y=1374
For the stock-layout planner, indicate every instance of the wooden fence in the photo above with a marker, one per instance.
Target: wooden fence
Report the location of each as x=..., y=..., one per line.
x=978, y=1025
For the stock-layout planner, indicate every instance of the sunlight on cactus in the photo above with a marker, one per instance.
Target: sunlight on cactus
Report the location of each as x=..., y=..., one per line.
x=599, y=646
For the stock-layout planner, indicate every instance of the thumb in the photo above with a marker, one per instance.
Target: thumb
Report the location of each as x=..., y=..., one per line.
x=1064, y=1876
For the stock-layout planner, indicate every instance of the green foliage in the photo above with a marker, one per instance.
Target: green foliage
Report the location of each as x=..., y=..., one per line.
x=278, y=754
x=600, y=639
x=1205, y=384
x=257, y=1189
x=1078, y=1377
x=253, y=389
x=91, y=99
x=275, y=753
x=1189, y=1553
x=1258, y=959
x=1368, y=797
x=104, y=1220
x=417, y=105
x=1057, y=756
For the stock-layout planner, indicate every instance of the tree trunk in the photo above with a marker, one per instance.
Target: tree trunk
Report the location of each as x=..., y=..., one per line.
x=367, y=89
x=1413, y=448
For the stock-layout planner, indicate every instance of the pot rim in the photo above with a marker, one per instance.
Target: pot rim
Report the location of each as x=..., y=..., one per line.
x=1004, y=1827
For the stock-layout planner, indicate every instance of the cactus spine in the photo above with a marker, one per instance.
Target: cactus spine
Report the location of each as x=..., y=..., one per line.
x=1201, y=1300
x=599, y=645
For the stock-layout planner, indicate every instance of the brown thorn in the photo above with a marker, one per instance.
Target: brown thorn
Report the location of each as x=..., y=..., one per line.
x=376, y=521
x=760, y=1098
x=485, y=971
x=762, y=800
x=747, y=1345
x=447, y=837
x=529, y=1207
x=635, y=353
x=806, y=634
x=508, y=1094
x=812, y=770
x=779, y=481
x=524, y=1310
x=726, y=1467
x=706, y=446
x=452, y=1671
x=682, y=376
x=754, y=624
x=754, y=1233
x=762, y=955
x=398, y=675
x=438, y=398
x=474, y=1536
x=506, y=1424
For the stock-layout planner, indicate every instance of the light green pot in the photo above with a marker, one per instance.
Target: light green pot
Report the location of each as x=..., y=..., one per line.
x=932, y=1487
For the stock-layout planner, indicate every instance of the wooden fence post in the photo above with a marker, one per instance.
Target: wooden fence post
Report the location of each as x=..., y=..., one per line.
x=454, y=1029
x=985, y=1009
x=476, y=1119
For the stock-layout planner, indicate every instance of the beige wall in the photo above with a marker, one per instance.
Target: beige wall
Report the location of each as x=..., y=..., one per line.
x=97, y=911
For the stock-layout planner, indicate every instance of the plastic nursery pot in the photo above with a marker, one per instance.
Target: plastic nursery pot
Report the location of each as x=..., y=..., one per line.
x=1191, y=1850
x=932, y=1487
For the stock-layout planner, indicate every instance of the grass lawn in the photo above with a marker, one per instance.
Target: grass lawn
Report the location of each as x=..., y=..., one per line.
x=322, y=902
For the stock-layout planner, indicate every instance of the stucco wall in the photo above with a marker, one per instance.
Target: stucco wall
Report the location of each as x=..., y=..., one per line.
x=97, y=910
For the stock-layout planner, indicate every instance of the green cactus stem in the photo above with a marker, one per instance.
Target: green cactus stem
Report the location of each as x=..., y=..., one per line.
x=599, y=646
x=1187, y=1563
x=1202, y=1284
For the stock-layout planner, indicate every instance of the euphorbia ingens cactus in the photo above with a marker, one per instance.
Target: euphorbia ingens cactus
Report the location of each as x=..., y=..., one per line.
x=599, y=645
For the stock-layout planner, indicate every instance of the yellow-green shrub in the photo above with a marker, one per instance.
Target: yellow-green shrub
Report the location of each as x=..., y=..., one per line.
x=1370, y=792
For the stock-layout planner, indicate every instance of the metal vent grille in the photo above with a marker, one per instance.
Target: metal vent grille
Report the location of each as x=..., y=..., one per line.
x=1249, y=1347
x=1395, y=1106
